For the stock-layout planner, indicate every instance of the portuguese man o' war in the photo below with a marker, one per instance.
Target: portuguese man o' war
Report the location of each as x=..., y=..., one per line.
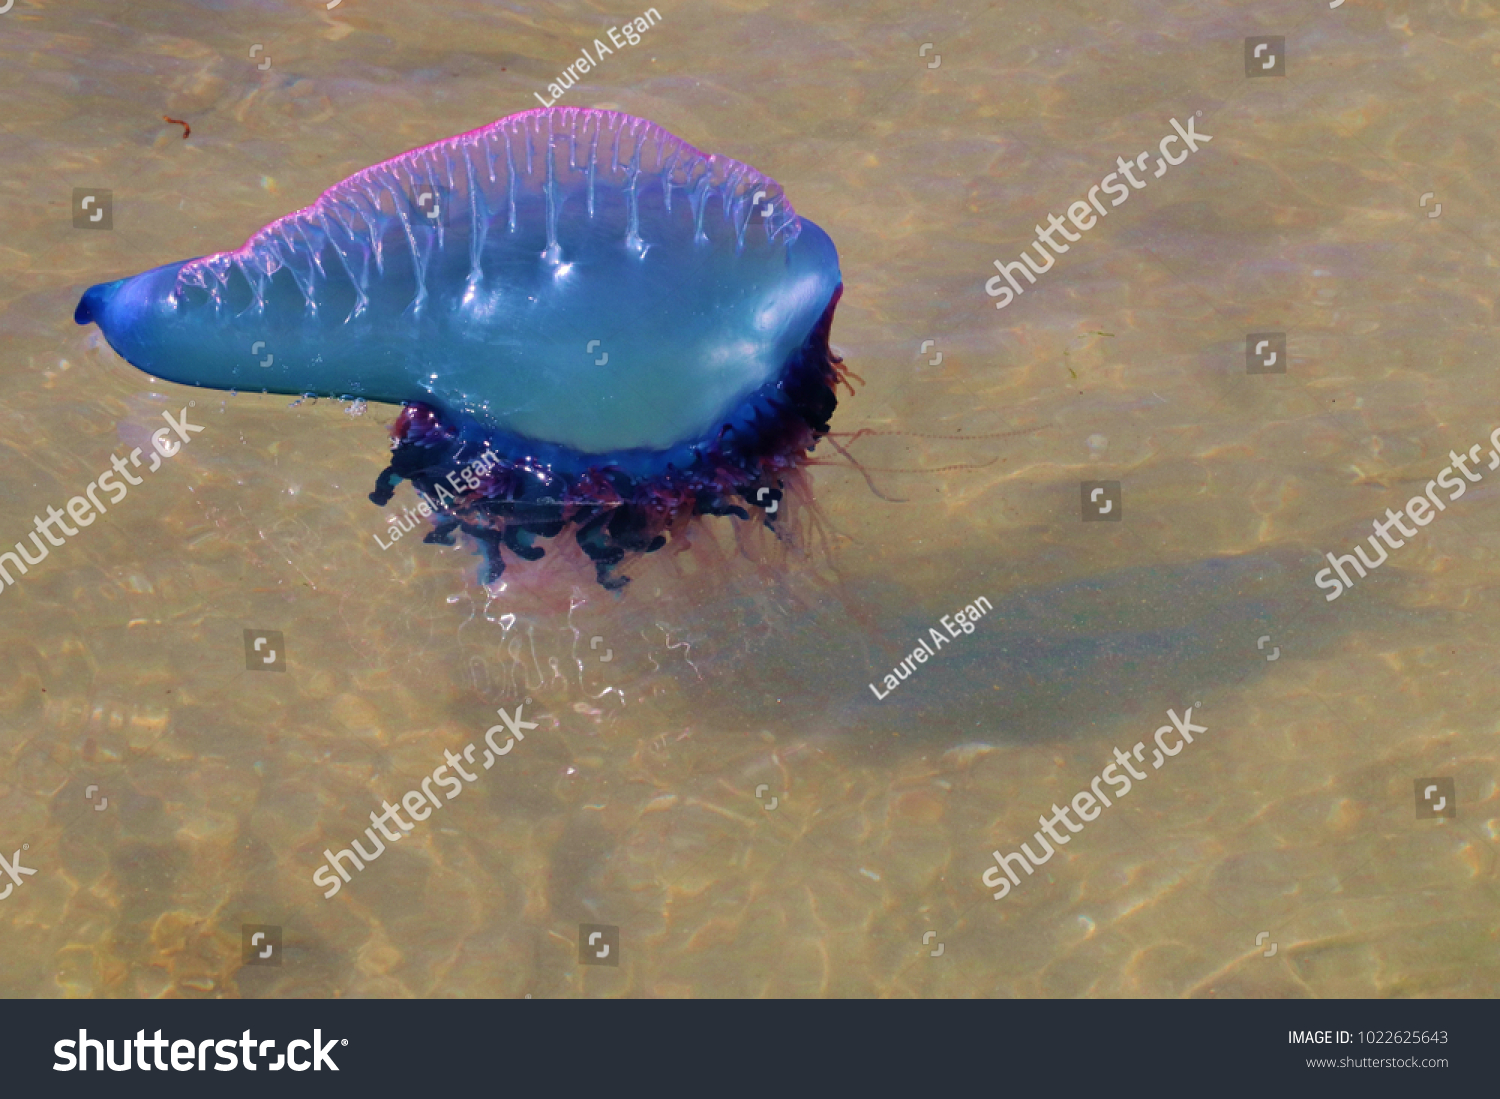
x=604, y=330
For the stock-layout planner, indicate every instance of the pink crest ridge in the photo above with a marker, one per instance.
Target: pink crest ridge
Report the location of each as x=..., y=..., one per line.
x=296, y=240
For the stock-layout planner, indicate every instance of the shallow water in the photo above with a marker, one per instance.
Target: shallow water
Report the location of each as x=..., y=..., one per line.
x=713, y=775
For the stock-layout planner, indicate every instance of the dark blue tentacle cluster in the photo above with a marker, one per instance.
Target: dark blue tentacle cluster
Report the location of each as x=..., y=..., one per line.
x=505, y=491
